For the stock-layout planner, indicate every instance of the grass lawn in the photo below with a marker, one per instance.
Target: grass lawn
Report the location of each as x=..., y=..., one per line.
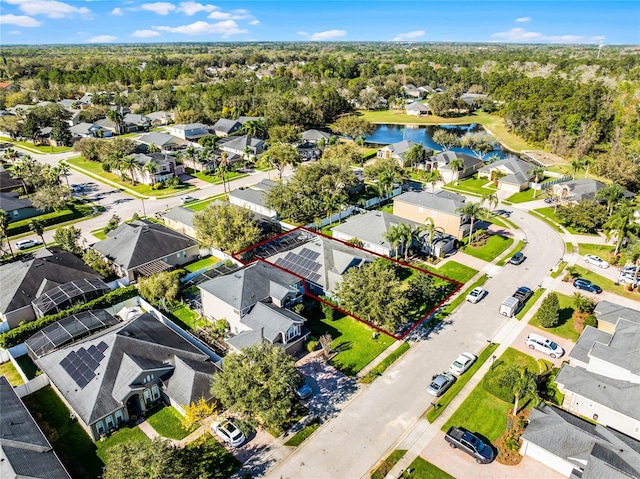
x=447, y=397
x=565, y=328
x=11, y=373
x=124, y=434
x=602, y=250
x=200, y=264
x=353, y=340
x=187, y=317
x=484, y=413
x=99, y=233
x=606, y=284
x=532, y=300
x=385, y=363
x=457, y=271
x=72, y=444
x=548, y=221
x=421, y=469
x=200, y=205
x=167, y=423
x=304, y=433
x=37, y=148
x=383, y=469
x=492, y=123
x=216, y=179
x=74, y=211
x=524, y=196
x=548, y=213
x=559, y=269
x=473, y=185
x=496, y=244
x=518, y=248
x=27, y=365
x=95, y=169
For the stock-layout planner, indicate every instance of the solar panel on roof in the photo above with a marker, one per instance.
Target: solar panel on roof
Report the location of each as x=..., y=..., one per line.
x=102, y=346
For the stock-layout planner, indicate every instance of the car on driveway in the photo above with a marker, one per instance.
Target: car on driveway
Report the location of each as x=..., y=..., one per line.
x=460, y=438
x=476, y=295
x=28, y=243
x=303, y=390
x=228, y=432
x=541, y=343
x=517, y=258
x=585, y=284
x=440, y=383
x=629, y=279
x=595, y=260
x=187, y=199
x=462, y=363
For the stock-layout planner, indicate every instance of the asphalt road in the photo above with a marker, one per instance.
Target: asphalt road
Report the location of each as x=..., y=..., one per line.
x=373, y=421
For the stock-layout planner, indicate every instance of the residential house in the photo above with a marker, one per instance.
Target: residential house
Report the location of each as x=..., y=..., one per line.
x=142, y=248
x=88, y=130
x=470, y=165
x=512, y=174
x=210, y=161
x=190, y=131
x=25, y=451
x=441, y=207
x=234, y=295
x=398, y=151
x=580, y=190
x=253, y=198
x=163, y=141
x=224, y=127
x=160, y=118
x=48, y=273
x=416, y=109
x=473, y=99
x=136, y=122
x=608, y=314
x=314, y=136
x=426, y=90
x=8, y=183
x=412, y=91
x=110, y=126
x=601, y=381
x=117, y=375
x=577, y=448
x=244, y=146
x=166, y=168
x=17, y=208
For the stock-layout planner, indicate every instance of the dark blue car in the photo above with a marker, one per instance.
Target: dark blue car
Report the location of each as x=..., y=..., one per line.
x=587, y=285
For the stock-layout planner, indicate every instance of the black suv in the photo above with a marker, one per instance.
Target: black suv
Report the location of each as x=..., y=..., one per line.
x=523, y=294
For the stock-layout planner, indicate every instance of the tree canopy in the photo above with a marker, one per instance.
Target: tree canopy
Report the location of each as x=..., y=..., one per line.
x=227, y=227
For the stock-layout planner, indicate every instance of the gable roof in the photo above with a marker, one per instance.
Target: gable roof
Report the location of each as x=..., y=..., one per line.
x=226, y=125
x=140, y=242
x=129, y=350
x=160, y=139
x=517, y=169
x=609, y=312
x=239, y=143
x=159, y=158
x=255, y=194
x=24, y=450
x=315, y=135
x=11, y=201
x=24, y=281
x=246, y=286
x=622, y=349
x=372, y=226
x=402, y=147
x=84, y=128
x=181, y=214
x=416, y=106
x=190, y=126
x=136, y=119
x=444, y=201
x=589, y=336
x=468, y=161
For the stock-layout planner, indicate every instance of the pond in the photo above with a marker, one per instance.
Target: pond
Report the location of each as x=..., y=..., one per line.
x=386, y=134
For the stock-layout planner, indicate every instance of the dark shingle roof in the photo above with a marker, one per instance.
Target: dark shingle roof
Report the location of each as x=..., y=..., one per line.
x=226, y=125
x=25, y=451
x=10, y=202
x=372, y=226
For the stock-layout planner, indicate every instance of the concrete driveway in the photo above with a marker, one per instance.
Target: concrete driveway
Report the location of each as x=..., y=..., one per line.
x=460, y=465
x=520, y=345
x=257, y=442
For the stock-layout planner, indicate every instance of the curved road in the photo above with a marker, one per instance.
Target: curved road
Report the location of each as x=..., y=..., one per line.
x=376, y=418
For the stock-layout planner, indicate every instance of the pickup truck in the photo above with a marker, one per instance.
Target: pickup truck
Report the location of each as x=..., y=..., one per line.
x=523, y=294
x=460, y=438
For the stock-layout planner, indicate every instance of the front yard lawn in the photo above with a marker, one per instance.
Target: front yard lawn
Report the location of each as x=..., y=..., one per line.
x=124, y=434
x=383, y=469
x=75, y=210
x=473, y=185
x=549, y=213
x=605, y=251
x=353, y=340
x=524, y=196
x=37, y=148
x=201, y=205
x=451, y=269
x=167, y=423
x=421, y=469
x=72, y=444
x=11, y=373
x=201, y=264
x=216, y=179
x=606, y=284
x=565, y=327
x=303, y=434
x=484, y=413
x=496, y=245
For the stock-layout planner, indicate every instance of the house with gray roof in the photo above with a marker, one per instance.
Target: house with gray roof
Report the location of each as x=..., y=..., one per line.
x=159, y=118
x=416, y=109
x=136, y=122
x=24, y=281
x=314, y=136
x=119, y=373
x=25, y=452
x=143, y=248
x=577, y=448
x=412, y=91
x=8, y=183
x=163, y=141
x=608, y=314
x=602, y=379
x=166, y=167
x=585, y=189
x=512, y=173
x=253, y=198
x=189, y=131
x=88, y=130
x=17, y=208
x=245, y=146
x=234, y=295
x=398, y=151
x=441, y=207
x=470, y=165
x=473, y=99
x=224, y=127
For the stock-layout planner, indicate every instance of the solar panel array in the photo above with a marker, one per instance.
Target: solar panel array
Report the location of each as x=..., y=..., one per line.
x=303, y=264
x=81, y=365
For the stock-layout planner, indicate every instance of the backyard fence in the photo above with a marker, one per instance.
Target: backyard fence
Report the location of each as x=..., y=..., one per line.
x=547, y=184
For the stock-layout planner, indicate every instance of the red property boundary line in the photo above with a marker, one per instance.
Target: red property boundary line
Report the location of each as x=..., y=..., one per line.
x=237, y=256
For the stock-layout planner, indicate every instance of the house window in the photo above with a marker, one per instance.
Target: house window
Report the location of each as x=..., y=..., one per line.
x=100, y=427
x=147, y=397
x=149, y=377
x=109, y=422
x=119, y=417
x=155, y=391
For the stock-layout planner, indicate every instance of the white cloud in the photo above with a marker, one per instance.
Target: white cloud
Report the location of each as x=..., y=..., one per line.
x=161, y=8
x=145, y=33
x=524, y=36
x=523, y=19
x=239, y=14
x=191, y=8
x=254, y=22
x=408, y=36
x=50, y=8
x=14, y=32
x=326, y=35
x=226, y=28
x=117, y=11
x=102, y=39
x=19, y=20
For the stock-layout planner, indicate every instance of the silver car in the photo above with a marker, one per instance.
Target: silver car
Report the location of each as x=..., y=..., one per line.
x=228, y=432
x=440, y=383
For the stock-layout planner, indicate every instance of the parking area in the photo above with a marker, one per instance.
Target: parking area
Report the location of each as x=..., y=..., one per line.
x=256, y=443
x=519, y=344
x=460, y=465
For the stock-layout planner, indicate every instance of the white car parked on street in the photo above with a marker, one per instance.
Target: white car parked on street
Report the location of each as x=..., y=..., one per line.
x=464, y=362
x=476, y=295
x=595, y=260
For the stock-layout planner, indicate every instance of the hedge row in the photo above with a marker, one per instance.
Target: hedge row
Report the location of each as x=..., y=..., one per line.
x=48, y=219
x=24, y=331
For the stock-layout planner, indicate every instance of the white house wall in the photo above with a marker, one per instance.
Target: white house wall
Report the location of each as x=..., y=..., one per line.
x=546, y=457
x=253, y=207
x=605, y=368
x=213, y=307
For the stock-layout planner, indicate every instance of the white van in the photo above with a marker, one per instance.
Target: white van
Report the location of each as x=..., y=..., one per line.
x=509, y=306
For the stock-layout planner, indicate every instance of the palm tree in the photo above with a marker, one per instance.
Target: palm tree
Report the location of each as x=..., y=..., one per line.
x=255, y=128
x=538, y=173
x=400, y=234
x=611, y=194
x=116, y=117
x=414, y=155
x=151, y=168
x=321, y=144
x=491, y=199
x=11, y=155
x=394, y=237
x=456, y=165
x=359, y=140
x=576, y=165
x=632, y=255
x=473, y=211
x=153, y=148
x=64, y=169
x=128, y=163
x=432, y=176
x=524, y=385
x=5, y=219
x=621, y=224
x=587, y=162
x=222, y=168
x=37, y=227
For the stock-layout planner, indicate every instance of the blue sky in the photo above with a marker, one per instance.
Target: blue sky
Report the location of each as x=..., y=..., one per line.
x=125, y=21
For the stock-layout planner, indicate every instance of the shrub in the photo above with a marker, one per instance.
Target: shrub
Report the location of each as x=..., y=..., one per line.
x=549, y=312
x=328, y=311
x=312, y=344
x=591, y=321
x=500, y=381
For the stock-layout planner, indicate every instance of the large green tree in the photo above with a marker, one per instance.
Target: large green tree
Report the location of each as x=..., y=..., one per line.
x=549, y=312
x=227, y=227
x=161, y=287
x=353, y=126
x=473, y=211
x=68, y=238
